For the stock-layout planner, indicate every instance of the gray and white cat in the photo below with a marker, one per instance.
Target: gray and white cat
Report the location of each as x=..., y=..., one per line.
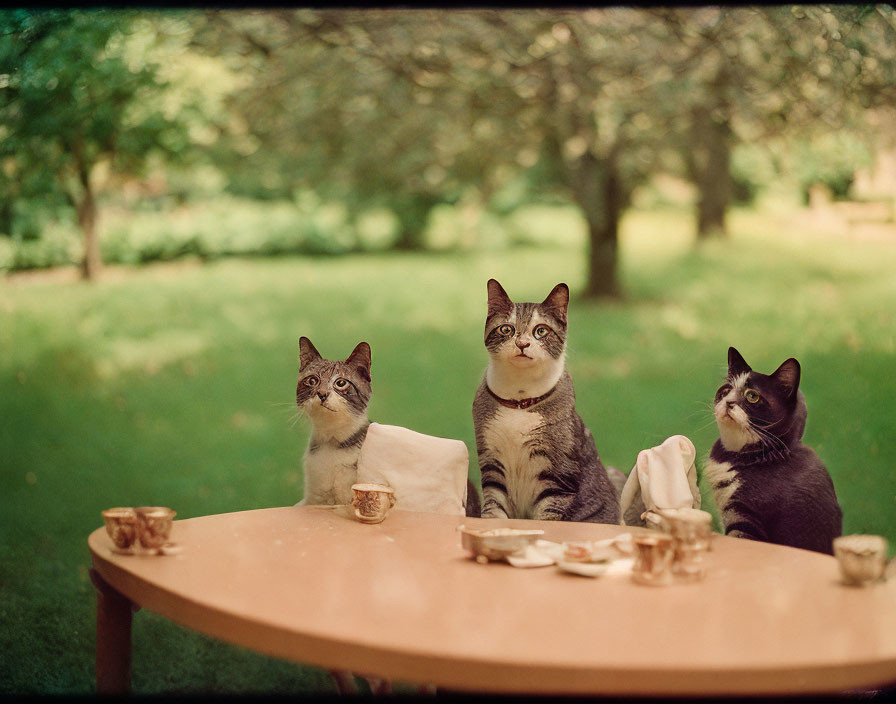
x=767, y=484
x=537, y=458
x=334, y=396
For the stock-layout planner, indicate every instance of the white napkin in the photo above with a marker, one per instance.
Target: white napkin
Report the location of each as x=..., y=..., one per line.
x=426, y=473
x=664, y=477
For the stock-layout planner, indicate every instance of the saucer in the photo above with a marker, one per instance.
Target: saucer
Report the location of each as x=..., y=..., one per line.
x=585, y=569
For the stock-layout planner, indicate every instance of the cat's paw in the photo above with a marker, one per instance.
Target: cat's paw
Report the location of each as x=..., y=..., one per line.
x=494, y=513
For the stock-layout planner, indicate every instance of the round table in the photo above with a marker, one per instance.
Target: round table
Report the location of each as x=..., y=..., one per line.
x=401, y=600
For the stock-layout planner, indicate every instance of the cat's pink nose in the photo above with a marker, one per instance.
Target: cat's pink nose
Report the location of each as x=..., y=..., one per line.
x=522, y=345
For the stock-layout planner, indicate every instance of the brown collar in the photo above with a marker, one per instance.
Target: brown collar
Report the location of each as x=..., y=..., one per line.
x=522, y=403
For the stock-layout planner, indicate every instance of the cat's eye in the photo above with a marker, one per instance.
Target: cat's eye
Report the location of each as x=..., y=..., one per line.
x=340, y=383
x=310, y=381
x=506, y=329
x=723, y=390
x=540, y=331
x=751, y=395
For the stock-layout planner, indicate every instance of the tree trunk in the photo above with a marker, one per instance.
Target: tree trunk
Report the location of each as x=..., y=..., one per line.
x=87, y=214
x=712, y=175
x=6, y=218
x=598, y=190
x=413, y=214
x=92, y=262
x=603, y=259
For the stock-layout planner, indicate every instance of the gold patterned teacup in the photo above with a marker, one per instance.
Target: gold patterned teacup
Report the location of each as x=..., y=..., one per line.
x=121, y=525
x=154, y=524
x=691, y=530
x=690, y=526
x=372, y=502
x=862, y=558
x=654, y=553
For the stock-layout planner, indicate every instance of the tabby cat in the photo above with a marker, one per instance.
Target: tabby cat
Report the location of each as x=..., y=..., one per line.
x=335, y=396
x=537, y=458
x=767, y=484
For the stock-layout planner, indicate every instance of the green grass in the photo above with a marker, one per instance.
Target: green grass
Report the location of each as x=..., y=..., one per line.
x=174, y=385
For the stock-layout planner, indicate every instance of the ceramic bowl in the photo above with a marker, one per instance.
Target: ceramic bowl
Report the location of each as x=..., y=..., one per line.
x=497, y=543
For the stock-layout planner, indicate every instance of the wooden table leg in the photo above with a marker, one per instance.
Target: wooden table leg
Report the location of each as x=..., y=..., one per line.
x=345, y=682
x=114, y=615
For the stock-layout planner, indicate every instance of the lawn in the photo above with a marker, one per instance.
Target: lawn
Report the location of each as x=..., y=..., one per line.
x=174, y=384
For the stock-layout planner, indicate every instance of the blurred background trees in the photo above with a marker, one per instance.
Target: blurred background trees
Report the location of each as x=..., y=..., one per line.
x=82, y=103
x=348, y=129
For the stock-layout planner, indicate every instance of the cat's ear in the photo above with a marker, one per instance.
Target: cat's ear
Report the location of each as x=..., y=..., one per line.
x=307, y=352
x=557, y=301
x=787, y=376
x=359, y=360
x=737, y=365
x=498, y=300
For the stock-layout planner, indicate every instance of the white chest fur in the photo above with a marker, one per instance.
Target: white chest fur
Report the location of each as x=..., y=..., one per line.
x=511, y=435
x=724, y=482
x=329, y=474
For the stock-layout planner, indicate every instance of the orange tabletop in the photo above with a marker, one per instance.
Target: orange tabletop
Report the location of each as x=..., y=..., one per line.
x=402, y=601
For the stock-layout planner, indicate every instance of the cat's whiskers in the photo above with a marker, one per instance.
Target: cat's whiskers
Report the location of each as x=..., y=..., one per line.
x=704, y=411
x=770, y=442
x=295, y=418
x=708, y=423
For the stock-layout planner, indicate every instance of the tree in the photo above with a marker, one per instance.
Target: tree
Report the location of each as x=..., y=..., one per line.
x=762, y=73
x=75, y=99
x=516, y=90
x=413, y=108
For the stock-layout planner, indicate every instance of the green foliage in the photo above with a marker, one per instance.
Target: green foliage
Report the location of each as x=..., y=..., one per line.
x=412, y=110
x=222, y=227
x=69, y=87
x=752, y=168
x=82, y=92
x=831, y=159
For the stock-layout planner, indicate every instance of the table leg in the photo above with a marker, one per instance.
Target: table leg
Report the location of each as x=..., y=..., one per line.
x=114, y=615
x=345, y=683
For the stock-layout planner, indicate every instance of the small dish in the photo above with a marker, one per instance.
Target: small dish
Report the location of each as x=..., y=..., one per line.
x=578, y=551
x=530, y=557
x=496, y=543
x=169, y=549
x=584, y=569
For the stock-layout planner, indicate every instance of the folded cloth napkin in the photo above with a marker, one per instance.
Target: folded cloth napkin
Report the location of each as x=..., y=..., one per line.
x=664, y=477
x=425, y=472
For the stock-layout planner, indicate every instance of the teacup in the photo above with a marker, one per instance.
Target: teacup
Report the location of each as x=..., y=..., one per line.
x=686, y=525
x=862, y=558
x=121, y=525
x=653, y=559
x=372, y=502
x=154, y=525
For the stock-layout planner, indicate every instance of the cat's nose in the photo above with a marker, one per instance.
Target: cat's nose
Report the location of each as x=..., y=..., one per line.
x=731, y=404
x=522, y=345
x=322, y=397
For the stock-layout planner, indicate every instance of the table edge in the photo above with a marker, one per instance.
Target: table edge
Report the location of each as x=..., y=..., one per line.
x=474, y=674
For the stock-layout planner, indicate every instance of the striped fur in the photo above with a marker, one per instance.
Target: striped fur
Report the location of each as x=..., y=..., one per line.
x=334, y=396
x=537, y=462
